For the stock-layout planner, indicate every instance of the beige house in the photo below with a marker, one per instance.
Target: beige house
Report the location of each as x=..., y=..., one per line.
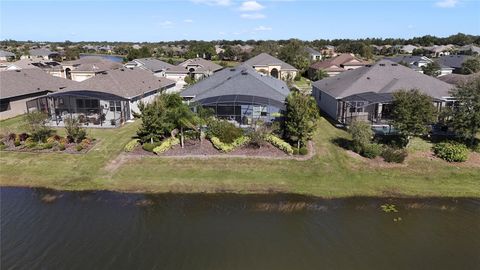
x=41, y=53
x=21, y=85
x=6, y=56
x=51, y=67
x=196, y=68
x=269, y=65
x=87, y=67
x=336, y=65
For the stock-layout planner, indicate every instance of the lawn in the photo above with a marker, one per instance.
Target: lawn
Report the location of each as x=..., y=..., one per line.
x=331, y=173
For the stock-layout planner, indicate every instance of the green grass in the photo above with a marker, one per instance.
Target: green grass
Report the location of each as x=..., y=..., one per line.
x=331, y=173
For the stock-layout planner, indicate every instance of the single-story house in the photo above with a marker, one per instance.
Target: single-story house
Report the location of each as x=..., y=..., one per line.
x=6, y=56
x=272, y=66
x=408, y=48
x=87, y=67
x=416, y=62
x=107, y=100
x=240, y=94
x=196, y=68
x=51, y=67
x=459, y=79
x=453, y=61
x=336, y=65
x=42, y=53
x=156, y=66
x=328, y=51
x=313, y=54
x=469, y=50
x=367, y=92
x=439, y=50
x=21, y=85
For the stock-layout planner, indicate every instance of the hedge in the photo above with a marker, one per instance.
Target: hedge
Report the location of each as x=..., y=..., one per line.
x=166, y=145
x=228, y=147
x=451, y=151
x=279, y=143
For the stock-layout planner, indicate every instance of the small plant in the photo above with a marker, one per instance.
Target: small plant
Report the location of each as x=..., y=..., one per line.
x=61, y=147
x=257, y=139
x=51, y=140
x=389, y=208
x=149, y=146
x=36, y=123
x=451, y=151
x=11, y=136
x=131, y=145
x=16, y=142
x=75, y=132
x=2, y=145
x=372, y=150
x=394, y=155
x=280, y=144
x=166, y=145
x=226, y=132
x=228, y=147
x=79, y=147
x=303, y=151
x=296, y=151
x=23, y=136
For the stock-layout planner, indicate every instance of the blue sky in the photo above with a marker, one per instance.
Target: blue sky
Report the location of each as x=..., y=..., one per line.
x=234, y=19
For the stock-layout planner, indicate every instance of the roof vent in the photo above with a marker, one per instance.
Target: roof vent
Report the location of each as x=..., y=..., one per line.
x=17, y=70
x=232, y=69
x=368, y=78
x=382, y=65
x=394, y=64
x=122, y=69
x=244, y=72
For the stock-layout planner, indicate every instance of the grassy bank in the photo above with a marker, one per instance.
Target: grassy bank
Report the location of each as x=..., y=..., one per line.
x=333, y=172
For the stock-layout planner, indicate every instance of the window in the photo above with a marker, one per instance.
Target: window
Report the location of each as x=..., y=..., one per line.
x=356, y=106
x=115, y=106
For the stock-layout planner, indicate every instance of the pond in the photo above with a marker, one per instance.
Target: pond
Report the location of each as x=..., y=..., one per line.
x=113, y=58
x=45, y=229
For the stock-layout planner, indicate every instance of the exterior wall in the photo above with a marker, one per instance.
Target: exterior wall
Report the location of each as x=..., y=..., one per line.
x=326, y=103
x=288, y=74
x=18, y=106
x=179, y=82
x=81, y=76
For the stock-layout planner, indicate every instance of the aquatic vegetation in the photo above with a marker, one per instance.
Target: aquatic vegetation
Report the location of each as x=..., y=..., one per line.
x=389, y=208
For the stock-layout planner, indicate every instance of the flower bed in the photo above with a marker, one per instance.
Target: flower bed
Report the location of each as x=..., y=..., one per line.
x=24, y=143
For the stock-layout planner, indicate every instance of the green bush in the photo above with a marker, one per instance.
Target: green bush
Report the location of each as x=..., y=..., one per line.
x=16, y=142
x=280, y=144
x=31, y=144
x=372, y=150
x=79, y=147
x=257, y=139
x=166, y=145
x=42, y=146
x=295, y=151
x=228, y=147
x=61, y=147
x=390, y=154
x=2, y=145
x=303, y=151
x=150, y=146
x=226, y=132
x=74, y=129
x=131, y=145
x=361, y=135
x=451, y=151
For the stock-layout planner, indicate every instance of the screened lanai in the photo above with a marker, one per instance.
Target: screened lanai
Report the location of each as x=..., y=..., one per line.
x=244, y=109
x=369, y=106
x=91, y=108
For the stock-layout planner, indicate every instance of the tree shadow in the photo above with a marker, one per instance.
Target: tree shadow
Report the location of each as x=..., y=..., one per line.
x=342, y=142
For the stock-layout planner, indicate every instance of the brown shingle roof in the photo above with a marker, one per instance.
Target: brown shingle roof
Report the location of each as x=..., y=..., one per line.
x=336, y=62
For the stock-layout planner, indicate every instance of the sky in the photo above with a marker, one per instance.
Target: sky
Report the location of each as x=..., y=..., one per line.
x=167, y=20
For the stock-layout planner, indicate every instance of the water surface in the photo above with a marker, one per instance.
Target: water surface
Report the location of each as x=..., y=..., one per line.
x=44, y=229
x=113, y=58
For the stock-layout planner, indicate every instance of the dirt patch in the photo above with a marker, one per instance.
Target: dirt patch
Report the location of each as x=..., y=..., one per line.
x=121, y=159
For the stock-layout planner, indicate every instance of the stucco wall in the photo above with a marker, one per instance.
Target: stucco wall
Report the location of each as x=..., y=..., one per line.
x=325, y=102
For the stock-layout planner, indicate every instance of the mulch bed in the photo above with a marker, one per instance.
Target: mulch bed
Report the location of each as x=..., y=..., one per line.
x=69, y=148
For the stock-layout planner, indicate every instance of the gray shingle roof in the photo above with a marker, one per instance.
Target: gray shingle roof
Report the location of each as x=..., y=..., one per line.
x=453, y=61
x=264, y=59
x=312, y=51
x=383, y=77
x=153, y=64
x=93, y=64
x=471, y=48
x=6, y=54
x=41, y=52
x=29, y=81
x=124, y=82
x=241, y=80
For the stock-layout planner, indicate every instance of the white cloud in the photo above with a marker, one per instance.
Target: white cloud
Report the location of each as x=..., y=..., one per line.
x=188, y=21
x=213, y=2
x=166, y=24
x=253, y=16
x=262, y=28
x=447, y=3
x=251, y=6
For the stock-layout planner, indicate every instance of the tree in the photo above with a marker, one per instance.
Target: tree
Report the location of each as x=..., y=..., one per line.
x=471, y=66
x=432, y=69
x=412, y=112
x=320, y=74
x=182, y=117
x=302, y=113
x=466, y=114
x=295, y=54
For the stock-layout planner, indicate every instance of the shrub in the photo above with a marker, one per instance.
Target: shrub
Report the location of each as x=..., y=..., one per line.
x=51, y=140
x=36, y=123
x=451, y=151
x=296, y=151
x=226, y=132
x=228, y=147
x=16, y=142
x=279, y=143
x=131, y=145
x=257, y=139
x=166, y=145
x=150, y=146
x=61, y=147
x=86, y=141
x=23, y=136
x=79, y=147
x=42, y=146
x=298, y=77
x=2, y=145
x=303, y=151
x=29, y=143
x=361, y=135
x=372, y=150
x=394, y=155
x=11, y=136
x=75, y=132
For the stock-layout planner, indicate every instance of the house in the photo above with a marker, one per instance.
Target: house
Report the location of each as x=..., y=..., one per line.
x=459, y=79
x=336, y=65
x=366, y=93
x=107, y=100
x=439, y=50
x=313, y=54
x=53, y=68
x=196, y=68
x=328, y=51
x=408, y=49
x=6, y=56
x=156, y=66
x=454, y=62
x=240, y=94
x=469, y=50
x=41, y=53
x=417, y=62
x=87, y=67
x=21, y=85
x=272, y=66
